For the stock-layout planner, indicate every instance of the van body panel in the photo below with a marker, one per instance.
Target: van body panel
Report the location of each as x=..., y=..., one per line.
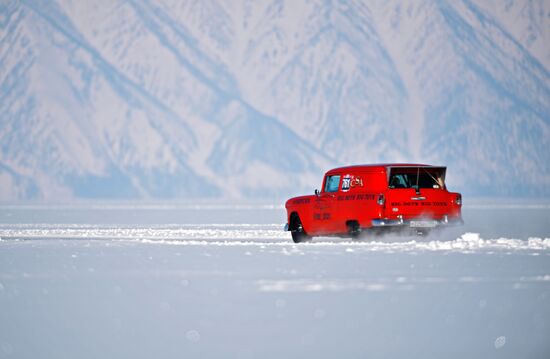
x=366, y=196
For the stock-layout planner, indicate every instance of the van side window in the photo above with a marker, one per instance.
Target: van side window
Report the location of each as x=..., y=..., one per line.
x=332, y=183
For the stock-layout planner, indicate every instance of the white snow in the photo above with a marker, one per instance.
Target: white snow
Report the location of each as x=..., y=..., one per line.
x=263, y=235
x=219, y=280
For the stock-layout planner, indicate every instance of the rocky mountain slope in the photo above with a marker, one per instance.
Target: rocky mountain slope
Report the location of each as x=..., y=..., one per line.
x=181, y=99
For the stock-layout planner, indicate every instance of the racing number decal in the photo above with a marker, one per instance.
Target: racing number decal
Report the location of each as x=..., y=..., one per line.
x=321, y=216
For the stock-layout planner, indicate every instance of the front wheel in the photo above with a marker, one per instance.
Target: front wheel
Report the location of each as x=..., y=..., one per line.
x=299, y=235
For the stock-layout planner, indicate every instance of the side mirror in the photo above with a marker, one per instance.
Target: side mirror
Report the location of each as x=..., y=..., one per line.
x=317, y=192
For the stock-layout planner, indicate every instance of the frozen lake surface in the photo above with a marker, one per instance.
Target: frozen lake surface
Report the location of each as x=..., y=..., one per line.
x=211, y=280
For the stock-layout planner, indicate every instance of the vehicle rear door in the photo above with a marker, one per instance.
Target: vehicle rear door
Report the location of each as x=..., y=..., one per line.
x=417, y=192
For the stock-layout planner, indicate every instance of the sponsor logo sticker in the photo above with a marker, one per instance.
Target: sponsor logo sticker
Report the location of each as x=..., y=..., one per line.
x=346, y=183
x=350, y=181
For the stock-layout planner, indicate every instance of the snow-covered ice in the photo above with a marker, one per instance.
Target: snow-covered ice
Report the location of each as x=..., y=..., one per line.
x=125, y=280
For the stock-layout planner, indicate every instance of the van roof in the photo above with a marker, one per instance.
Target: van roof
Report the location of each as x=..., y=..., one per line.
x=376, y=167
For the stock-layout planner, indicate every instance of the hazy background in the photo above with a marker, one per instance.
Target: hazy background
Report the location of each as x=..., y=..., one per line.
x=146, y=148
x=249, y=99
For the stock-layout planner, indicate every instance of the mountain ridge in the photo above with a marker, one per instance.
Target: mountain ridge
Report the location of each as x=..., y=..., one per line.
x=135, y=99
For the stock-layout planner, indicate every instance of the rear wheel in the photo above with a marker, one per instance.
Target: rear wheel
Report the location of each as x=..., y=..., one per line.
x=354, y=229
x=299, y=235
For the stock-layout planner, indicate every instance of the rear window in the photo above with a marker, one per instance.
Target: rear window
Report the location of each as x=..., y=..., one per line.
x=418, y=177
x=332, y=183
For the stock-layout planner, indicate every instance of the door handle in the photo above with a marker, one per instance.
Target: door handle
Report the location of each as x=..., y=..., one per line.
x=418, y=198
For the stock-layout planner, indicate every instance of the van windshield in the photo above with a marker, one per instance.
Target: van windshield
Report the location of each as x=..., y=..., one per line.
x=417, y=177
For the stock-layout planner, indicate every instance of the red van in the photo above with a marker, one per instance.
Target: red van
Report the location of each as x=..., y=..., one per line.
x=356, y=198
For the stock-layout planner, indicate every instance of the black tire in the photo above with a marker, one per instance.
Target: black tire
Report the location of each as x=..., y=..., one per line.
x=297, y=231
x=354, y=229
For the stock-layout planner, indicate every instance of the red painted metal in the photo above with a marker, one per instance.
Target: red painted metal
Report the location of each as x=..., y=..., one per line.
x=365, y=198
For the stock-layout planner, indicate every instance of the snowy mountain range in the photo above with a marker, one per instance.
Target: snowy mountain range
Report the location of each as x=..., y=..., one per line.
x=208, y=98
